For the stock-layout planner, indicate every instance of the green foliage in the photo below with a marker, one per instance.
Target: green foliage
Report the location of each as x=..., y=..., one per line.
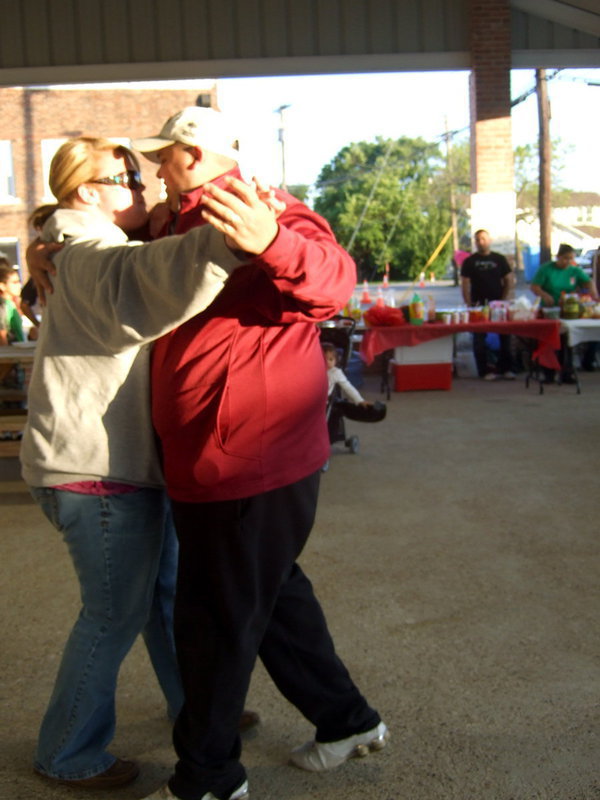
x=454, y=183
x=300, y=191
x=527, y=175
x=392, y=200
x=386, y=202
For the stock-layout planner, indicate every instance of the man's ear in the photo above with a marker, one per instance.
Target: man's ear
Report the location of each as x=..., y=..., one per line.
x=196, y=153
x=87, y=194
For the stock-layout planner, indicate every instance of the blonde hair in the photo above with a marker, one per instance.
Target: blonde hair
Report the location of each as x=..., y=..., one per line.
x=76, y=162
x=38, y=217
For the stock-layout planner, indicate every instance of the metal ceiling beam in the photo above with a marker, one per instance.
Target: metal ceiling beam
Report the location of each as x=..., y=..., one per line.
x=582, y=15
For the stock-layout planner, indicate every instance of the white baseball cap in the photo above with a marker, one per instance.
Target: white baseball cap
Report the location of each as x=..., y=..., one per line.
x=195, y=126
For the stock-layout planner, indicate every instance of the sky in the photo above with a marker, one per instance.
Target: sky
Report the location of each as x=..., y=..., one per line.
x=328, y=112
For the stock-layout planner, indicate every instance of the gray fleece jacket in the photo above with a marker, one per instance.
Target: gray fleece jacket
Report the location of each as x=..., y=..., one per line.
x=89, y=397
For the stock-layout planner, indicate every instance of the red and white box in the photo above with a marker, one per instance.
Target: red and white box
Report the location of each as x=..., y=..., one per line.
x=424, y=366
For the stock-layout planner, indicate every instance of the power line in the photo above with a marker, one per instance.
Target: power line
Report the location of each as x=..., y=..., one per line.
x=448, y=135
x=579, y=79
x=522, y=97
x=371, y=195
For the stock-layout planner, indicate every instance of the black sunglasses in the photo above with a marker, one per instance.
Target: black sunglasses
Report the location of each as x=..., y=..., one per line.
x=131, y=179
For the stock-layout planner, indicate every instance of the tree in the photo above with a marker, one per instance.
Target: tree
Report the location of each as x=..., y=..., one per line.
x=300, y=191
x=382, y=201
x=454, y=183
x=527, y=176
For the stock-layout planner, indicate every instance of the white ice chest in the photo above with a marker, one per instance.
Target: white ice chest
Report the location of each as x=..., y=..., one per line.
x=435, y=351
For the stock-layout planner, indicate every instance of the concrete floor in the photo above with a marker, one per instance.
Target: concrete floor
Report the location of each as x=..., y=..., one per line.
x=457, y=558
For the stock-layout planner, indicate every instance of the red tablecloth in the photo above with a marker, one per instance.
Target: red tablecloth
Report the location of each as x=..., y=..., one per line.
x=545, y=331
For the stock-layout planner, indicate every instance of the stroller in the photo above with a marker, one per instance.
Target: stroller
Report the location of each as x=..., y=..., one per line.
x=338, y=332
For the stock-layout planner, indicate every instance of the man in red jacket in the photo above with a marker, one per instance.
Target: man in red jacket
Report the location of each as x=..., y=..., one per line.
x=238, y=395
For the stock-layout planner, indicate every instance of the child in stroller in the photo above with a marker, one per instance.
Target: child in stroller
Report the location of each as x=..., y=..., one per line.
x=344, y=400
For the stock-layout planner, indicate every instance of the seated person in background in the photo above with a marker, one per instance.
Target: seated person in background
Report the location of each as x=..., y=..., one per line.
x=11, y=319
x=11, y=327
x=337, y=377
x=3, y=326
x=13, y=282
x=561, y=275
x=552, y=280
x=354, y=406
x=22, y=297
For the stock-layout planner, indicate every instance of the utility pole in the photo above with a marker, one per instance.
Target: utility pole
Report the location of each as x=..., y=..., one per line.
x=450, y=174
x=545, y=151
x=280, y=110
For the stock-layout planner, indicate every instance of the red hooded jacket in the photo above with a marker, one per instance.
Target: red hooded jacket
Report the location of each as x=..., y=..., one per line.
x=239, y=391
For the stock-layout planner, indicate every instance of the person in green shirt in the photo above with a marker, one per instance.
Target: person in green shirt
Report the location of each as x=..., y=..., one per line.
x=549, y=282
x=11, y=327
x=561, y=275
x=10, y=319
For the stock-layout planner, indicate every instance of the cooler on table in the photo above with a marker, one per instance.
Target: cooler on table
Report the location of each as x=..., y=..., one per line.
x=424, y=366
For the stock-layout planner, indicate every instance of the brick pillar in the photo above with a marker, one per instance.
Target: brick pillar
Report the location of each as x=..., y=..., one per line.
x=492, y=163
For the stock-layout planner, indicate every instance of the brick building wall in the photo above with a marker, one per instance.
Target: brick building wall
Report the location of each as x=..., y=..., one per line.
x=30, y=115
x=492, y=163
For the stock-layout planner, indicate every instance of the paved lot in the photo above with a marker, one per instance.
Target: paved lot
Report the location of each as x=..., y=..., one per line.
x=457, y=557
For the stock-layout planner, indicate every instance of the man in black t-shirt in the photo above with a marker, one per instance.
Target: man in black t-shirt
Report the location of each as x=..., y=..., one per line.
x=487, y=276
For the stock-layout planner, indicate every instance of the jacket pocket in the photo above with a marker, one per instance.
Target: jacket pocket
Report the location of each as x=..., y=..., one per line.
x=241, y=416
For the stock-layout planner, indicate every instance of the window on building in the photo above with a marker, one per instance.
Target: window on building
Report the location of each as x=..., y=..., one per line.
x=204, y=100
x=7, y=173
x=9, y=248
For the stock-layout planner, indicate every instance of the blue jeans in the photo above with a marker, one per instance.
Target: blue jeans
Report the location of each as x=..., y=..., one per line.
x=480, y=353
x=124, y=551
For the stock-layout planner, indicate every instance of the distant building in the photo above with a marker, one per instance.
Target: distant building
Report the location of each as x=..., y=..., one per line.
x=579, y=211
x=37, y=120
x=575, y=221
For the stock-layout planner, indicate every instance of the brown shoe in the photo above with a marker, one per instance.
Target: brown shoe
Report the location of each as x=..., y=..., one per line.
x=120, y=773
x=248, y=720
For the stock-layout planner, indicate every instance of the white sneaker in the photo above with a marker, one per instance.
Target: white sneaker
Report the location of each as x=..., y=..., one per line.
x=490, y=376
x=164, y=793
x=509, y=375
x=320, y=756
x=239, y=794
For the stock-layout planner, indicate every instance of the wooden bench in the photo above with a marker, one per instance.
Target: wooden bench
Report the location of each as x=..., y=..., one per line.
x=11, y=423
x=12, y=396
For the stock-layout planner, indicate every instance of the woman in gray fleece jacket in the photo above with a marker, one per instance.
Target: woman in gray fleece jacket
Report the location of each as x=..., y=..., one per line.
x=89, y=453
